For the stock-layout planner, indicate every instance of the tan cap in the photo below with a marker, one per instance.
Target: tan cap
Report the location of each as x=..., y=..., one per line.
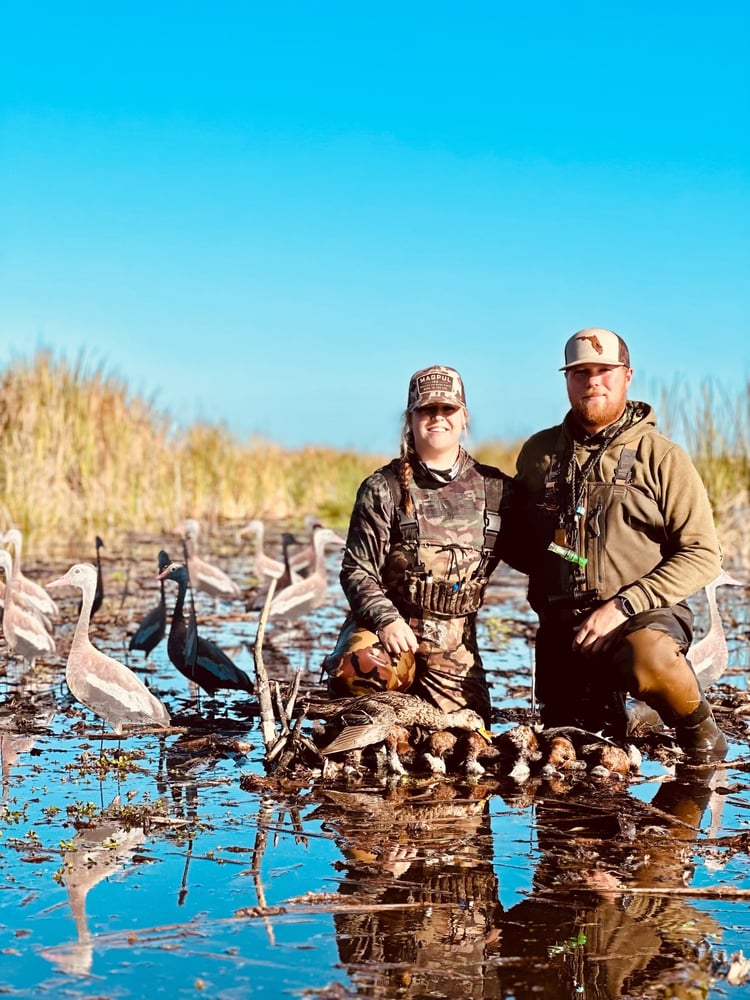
x=596, y=346
x=436, y=384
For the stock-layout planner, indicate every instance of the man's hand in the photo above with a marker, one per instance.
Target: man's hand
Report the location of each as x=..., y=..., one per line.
x=597, y=630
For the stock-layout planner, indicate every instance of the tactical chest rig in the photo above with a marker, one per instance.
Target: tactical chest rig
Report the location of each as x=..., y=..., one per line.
x=419, y=590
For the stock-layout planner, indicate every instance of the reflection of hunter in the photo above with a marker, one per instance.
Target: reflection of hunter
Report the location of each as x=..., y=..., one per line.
x=597, y=924
x=425, y=534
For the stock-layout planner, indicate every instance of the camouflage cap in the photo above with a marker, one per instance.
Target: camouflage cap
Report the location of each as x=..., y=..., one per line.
x=595, y=346
x=436, y=384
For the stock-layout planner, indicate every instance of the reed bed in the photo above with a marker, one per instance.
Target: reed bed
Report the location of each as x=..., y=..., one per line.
x=82, y=455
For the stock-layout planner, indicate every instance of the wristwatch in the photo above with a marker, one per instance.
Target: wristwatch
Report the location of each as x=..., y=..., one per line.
x=625, y=606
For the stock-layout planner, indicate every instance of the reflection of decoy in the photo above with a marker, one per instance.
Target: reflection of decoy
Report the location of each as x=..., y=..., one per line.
x=710, y=655
x=21, y=583
x=369, y=719
x=304, y=595
x=96, y=852
x=104, y=685
x=263, y=564
x=152, y=629
x=99, y=592
x=24, y=632
x=212, y=668
x=204, y=575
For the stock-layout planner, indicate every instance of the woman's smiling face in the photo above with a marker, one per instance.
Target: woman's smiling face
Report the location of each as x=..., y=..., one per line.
x=437, y=430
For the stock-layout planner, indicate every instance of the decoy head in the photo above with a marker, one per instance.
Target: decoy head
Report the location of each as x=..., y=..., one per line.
x=79, y=575
x=99, y=543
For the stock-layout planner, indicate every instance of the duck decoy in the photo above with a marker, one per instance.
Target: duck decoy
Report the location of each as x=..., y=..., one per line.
x=212, y=669
x=99, y=592
x=104, y=685
x=301, y=562
x=153, y=628
x=22, y=584
x=303, y=595
x=204, y=575
x=710, y=655
x=366, y=720
x=24, y=633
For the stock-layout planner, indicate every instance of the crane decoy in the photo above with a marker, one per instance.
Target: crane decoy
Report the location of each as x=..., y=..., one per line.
x=153, y=628
x=104, y=685
x=204, y=575
x=710, y=655
x=99, y=592
x=263, y=564
x=212, y=669
x=22, y=584
x=366, y=720
x=24, y=633
x=308, y=593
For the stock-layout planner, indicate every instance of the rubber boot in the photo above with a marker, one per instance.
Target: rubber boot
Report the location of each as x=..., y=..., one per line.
x=699, y=737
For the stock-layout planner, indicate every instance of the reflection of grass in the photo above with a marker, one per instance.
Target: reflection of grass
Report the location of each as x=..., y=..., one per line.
x=82, y=455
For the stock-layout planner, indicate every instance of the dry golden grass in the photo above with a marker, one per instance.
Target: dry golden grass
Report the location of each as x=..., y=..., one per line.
x=81, y=455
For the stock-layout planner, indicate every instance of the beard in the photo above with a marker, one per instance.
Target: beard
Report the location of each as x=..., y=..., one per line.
x=597, y=412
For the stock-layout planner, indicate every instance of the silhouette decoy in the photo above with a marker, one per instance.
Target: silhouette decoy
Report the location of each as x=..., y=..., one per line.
x=153, y=628
x=302, y=596
x=99, y=592
x=204, y=575
x=212, y=669
x=104, y=685
x=710, y=655
x=24, y=633
x=22, y=584
x=366, y=720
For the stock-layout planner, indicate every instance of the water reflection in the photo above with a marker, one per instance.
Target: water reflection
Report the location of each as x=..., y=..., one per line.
x=607, y=917
x=420, y=888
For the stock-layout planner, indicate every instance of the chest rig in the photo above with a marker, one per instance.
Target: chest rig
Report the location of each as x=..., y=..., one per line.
x=564, y=502
x=441, y=578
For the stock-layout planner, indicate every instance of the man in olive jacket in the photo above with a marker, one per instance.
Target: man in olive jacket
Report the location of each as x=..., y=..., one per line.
x=619, y=531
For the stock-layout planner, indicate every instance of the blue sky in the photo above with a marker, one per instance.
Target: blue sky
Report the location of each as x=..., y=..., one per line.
x=269, y=215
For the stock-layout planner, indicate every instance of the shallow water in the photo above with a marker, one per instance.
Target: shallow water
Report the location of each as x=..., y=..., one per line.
x=184, y=870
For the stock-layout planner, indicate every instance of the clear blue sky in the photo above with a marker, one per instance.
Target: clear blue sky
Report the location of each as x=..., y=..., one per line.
x=269, y=214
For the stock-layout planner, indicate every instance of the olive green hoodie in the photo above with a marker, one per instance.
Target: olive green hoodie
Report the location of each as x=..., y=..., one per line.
x=650, y=538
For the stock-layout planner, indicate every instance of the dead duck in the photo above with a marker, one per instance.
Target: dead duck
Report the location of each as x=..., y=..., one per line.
x=367, y=720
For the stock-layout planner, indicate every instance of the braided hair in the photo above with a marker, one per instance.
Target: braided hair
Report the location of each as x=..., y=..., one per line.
x=405, y=470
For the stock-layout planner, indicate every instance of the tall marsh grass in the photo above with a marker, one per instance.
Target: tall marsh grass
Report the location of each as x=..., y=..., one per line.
x=81, y=455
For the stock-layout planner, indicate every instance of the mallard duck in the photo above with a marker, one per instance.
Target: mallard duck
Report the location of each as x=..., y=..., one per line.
x=370, y=719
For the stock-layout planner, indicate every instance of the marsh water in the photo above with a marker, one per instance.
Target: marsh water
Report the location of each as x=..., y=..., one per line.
x=176, y=866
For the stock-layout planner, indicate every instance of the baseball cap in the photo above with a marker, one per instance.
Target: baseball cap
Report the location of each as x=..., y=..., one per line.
x=436, y=384
x=595, y=346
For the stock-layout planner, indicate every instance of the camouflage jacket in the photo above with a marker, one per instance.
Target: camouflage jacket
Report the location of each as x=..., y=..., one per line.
x=647, y=534
x=450, y=516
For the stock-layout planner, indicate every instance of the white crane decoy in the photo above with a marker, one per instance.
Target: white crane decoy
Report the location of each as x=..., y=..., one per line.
x=710, y=655
x=33, y=591
x=308, y=593
x=24, y=633
x=104, y=685
x=204, y=575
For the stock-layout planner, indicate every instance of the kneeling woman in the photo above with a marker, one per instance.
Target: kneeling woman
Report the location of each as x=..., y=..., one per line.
x=425, y=534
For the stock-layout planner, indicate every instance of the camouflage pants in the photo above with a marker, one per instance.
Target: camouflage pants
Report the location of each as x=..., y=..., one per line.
x=446, y=669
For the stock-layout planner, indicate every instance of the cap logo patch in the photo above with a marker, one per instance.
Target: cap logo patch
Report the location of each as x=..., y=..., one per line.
x=595, y=342
x=434, y=382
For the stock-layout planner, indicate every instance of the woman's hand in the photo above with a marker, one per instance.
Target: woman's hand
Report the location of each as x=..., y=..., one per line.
x=397, y=637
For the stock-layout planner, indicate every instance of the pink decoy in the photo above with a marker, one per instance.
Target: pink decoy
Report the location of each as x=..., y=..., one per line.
x=22, y=584
x=710, y=655
x=204, y=575
x=308, y=593
x=263, y=564
x=24, y=633
x=104, y=685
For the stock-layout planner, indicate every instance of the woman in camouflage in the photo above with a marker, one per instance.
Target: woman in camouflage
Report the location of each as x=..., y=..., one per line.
x=425, y=534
